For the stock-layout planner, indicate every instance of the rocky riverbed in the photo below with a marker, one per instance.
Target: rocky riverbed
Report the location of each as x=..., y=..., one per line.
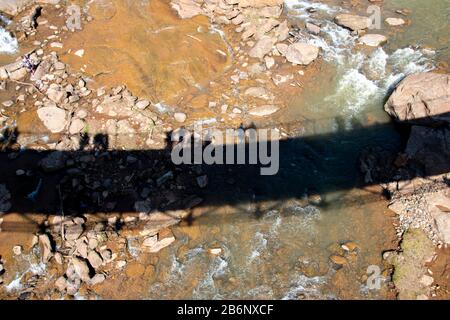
x=93, y=207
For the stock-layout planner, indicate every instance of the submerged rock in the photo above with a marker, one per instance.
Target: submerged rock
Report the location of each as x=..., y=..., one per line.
x=264, y=111
x=373, y=40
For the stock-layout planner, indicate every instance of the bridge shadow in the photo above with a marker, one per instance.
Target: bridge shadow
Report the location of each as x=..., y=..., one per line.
x=95, y=179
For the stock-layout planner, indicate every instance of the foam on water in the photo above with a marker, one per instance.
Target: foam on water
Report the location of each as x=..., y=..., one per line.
x=8, y=44
x=301, y=7
x=259, y=245
x=301, y=284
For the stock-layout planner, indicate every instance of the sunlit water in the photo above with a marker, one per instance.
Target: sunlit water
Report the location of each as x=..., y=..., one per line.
x=8, y=44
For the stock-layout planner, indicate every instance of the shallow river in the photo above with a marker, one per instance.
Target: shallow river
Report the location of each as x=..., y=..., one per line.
x=276, y=240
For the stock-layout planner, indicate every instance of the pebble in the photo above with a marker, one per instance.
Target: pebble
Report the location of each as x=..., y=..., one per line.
x=7, y=103
x=17, y=250
x=180, y=117
x=79, y=53
x=215, y=251
x=142, y=104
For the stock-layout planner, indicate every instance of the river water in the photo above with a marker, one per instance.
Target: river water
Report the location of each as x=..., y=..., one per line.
x=277, y=244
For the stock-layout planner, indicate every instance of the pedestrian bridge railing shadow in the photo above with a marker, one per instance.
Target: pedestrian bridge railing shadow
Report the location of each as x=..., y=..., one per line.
x=111, y=181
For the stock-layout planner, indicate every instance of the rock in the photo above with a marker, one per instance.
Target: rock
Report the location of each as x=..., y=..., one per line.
x=17, y=250
x=82, y=248
x=161, y=244
x=53, y=162
x=7, y=103
x=186, y=9
x=73, y=232
x=215, y=251
x=428, y=148
x=45, y=248
x=121, y=264
x=202, y=181
x=76, y=126
x=92, y=243
x=5, y=196
x=106, y=255
x=442, y=222
x=79, y=53
x=81, y=269
x=264, y=111
x=312, y=28
x=373, y=40
x=180, y=117
x=302, y=53
x=150, y=241
x=54, y=118
x=142, y=104
x=258, y=92
x=422, y=98
x=262, y=47
x=270, y=62
x=143, y=206
x=338, y=260
x=94, y=259
x=42, y=69
x=349, y=246
x=56, y=93
x=395, y=21
x=59, y=258
x=97, y=279
x=282, y=31
x=282, y=48
x=353, y=22
x=61, y=284
x=260, y=3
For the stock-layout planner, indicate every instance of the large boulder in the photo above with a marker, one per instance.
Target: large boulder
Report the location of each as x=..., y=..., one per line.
x=302, y=53
x=429, y=148
x=421, y=98
x=353, y=22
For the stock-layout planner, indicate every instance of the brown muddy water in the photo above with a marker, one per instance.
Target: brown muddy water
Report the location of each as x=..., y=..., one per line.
x=271, y=248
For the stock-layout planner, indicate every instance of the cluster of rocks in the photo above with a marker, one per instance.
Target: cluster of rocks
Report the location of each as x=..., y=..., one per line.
x=359, y=25
x=259, y=25
x=418, y=176
x=423, y=100
x=88, y=252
